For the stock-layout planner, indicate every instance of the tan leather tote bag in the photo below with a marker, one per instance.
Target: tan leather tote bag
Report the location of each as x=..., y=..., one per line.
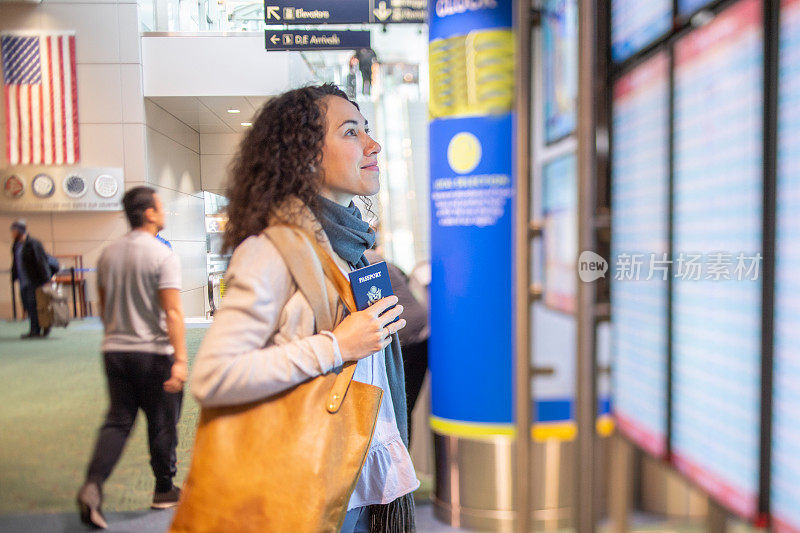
x=288, y=463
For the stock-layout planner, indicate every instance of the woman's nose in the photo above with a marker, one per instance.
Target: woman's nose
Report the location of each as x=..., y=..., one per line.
x=372, y=146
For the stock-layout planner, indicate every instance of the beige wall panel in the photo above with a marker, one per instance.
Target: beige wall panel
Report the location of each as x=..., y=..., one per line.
x=193, y=305
x=3, y=158
x=189, y=223
x=90, y=250
x=89, y=226
x=135, y=167
x=18, y=16
x=40, y=225
x=81, y=1
x=131, y=184
x=166, y=124
x=174, y=202
x=171, y=164
x=214, y=170
x=99, y=93
x=219, y=143
x=132, y=99
x=193, y=263
x=101, y=145
x=95, y=25
x=130, y=46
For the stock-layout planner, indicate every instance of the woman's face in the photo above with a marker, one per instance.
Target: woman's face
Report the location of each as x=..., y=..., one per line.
x=349, y=154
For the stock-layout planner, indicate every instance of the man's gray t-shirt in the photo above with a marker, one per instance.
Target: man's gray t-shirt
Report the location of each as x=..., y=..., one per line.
x=131, y=271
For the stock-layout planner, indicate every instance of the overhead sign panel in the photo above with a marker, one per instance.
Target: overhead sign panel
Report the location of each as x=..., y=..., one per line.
x=304, y=40
x=305, y=12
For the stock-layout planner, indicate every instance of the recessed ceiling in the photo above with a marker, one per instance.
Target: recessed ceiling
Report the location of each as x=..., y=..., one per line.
x=209, y=114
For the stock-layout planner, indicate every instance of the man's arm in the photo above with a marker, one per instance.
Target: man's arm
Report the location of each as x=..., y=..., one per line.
x=171, y=304
x=13, y=266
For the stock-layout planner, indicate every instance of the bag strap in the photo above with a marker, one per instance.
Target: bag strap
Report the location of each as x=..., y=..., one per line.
x=342, y=285
x=310, y=277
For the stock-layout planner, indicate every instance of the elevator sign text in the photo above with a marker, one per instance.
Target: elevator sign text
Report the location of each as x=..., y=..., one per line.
x=309, y=12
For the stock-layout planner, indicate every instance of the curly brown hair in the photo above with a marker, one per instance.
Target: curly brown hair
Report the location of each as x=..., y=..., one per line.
x=276, y=160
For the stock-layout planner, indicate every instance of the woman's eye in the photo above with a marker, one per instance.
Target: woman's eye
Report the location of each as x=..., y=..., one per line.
x=367, y=131
x=350, y=132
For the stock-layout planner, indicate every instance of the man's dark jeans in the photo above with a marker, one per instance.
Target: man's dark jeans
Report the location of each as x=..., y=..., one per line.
x=28, y=293
x=136, y=381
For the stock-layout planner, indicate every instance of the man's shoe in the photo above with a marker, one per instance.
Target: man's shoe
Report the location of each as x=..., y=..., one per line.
x=89, y=500
x=30, y=335
x=166, y=500
x=45, y=332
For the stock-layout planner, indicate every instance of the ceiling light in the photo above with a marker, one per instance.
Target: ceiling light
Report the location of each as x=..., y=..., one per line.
x=231, y=110
x=247, y=124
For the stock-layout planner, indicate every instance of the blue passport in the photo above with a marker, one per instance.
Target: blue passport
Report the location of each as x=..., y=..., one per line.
x=370, y=284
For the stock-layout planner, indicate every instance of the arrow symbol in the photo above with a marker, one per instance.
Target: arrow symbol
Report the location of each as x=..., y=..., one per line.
x=274, y=39
x=382, y=13
x=272, y=12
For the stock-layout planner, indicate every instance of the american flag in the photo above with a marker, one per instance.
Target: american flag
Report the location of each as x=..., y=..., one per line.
x=41, y=99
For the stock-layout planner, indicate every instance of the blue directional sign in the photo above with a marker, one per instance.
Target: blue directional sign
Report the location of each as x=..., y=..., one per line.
x=300, y=40
x=310, y=12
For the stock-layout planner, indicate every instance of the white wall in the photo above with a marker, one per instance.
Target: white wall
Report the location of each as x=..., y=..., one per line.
x=216, y=151
x=173, y=169
x=111, y=119
x=224, y=65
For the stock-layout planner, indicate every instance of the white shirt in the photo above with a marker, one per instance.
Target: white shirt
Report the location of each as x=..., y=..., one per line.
x=388, y=472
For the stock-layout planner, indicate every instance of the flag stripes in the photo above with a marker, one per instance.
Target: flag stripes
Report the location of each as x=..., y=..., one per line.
x=41, y=99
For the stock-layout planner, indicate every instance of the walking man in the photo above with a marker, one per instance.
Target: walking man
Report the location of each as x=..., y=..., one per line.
x=31, y=267
x=144, y=350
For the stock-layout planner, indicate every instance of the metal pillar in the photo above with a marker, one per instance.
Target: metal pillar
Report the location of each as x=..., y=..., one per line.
x=620, y=486
x=522, y=239
x=586, y=390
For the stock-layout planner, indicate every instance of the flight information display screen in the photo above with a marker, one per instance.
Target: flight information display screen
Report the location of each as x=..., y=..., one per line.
x=635, y=24
x=560, y=207
x=717, y=243
x=785, y=490
x=687, y=7
x=560, y=68
x=639, y=251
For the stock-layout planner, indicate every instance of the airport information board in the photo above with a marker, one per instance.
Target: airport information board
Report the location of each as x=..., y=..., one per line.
x=785, y=490
x=635, y=24
x=687, y=7
x=717, y=236
x=640, y=203
x=560, y=68
x=560, y=207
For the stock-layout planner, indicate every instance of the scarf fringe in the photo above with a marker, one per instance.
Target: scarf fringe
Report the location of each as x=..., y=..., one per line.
x=394, y=517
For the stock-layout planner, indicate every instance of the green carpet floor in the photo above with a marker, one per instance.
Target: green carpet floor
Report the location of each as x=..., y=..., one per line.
x=52, y=401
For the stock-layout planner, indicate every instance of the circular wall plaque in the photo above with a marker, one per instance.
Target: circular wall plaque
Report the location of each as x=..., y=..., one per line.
x=43, y=186
x=75, y=186
x=14, y=186
x=106, y=186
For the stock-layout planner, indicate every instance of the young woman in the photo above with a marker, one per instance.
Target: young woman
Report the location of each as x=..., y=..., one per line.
x=309, y=153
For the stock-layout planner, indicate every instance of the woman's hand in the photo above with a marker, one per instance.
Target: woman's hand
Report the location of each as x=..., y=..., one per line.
x=365, y=332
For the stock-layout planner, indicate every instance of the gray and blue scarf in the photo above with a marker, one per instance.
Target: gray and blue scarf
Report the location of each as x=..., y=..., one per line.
x=350, y=236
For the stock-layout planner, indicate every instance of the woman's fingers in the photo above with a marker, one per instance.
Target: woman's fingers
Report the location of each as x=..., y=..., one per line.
x=390, y=315
x=382, y=305
x=391, y=329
